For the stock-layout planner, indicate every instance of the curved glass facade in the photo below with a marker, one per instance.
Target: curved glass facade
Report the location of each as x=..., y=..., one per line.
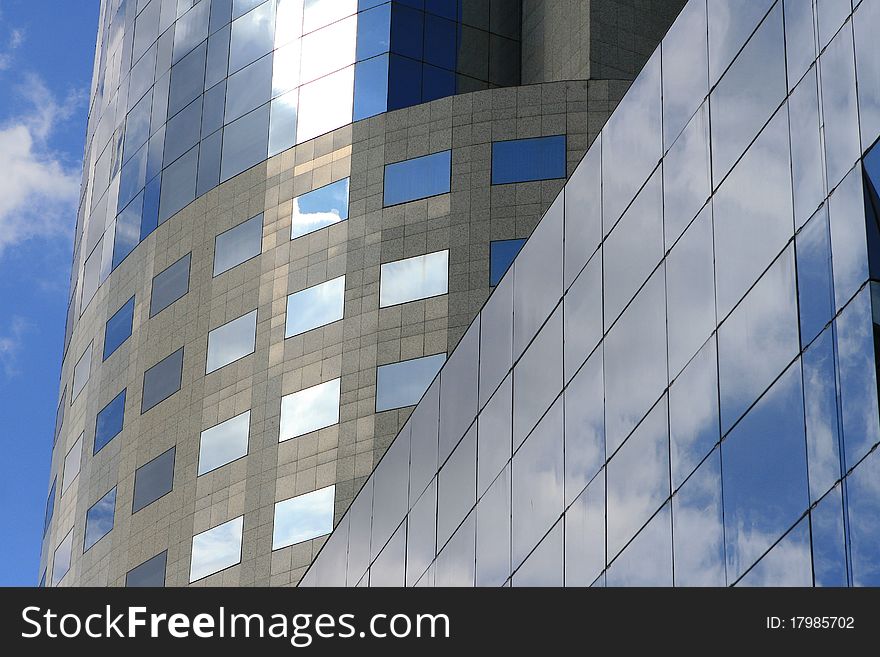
x=187, y=94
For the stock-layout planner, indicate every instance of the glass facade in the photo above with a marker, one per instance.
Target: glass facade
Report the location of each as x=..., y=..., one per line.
x=645, y=336
x=188, y=94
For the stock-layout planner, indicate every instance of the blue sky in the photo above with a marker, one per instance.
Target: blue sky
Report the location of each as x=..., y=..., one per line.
x=46, y=53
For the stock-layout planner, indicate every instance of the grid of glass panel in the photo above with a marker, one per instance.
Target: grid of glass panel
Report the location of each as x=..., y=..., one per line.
x=616, y=370
x=188, y=94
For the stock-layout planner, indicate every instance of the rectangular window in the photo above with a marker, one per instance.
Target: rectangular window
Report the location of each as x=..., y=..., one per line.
x=162, y=380
x=224, y=443
x=309, y=410
x=417, y=178
x=232, y=341
x=216, y=549
x=50, y=507
x=315, y=306
x=81, y=373
x=118, y=328
x=153, y=480
x=99, y=519
x=61, y=562
x=238, y=244
x=413, y=278
x=501, y=255
x=71, y=464
x=109, y=421
x=403, y=384
x=150, y=573
x=319, y=208
x=523, y=160
x=303, y=517
x=170, y=285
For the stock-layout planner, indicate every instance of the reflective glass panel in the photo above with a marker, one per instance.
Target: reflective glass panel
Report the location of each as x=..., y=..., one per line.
x=585, y=535
x=537, y=378
x=224, y=443
x=282, y=122
x=99, y=519
x=758, y=340
x=638, y=478
x=303, y=517
x=245, y=143
x=537, y=481
x=501, y=255
x=697, y=527
x=693, y=413
x=328, y=49
x=456, y=486
x=403, y=383
x=806, y=148
x=233, y=340
x=820, y=399
x=325, y=104
x=765, y=473
x=414, y=278
x=537, y=273
x=635, y=362
x=238, y=244
x=81, y=372
x=863, y=503
x=390, y=483
x=846, y=212
x=493, y=532
x=686, y=183
x=787, y=564
x=309, y=410
x=866, y=25
x=389, y=567
x=370, y=87
x=216, y=549
x=319, y=208
x=544, y=565
x=455, y=564
x=248, y=88
x=253, y=35
x=633, y=249
x=162, y=380
x=690, y=291
x=815, y=285
x=584, y=426
x=170, y=285
x=647, y=560
x=750, y=91
x=458, y=390
x=71, y=464
x=417, y=178
x=857, y=369
x=730, y=24
x=829, y=549
x=153, y=480
x=494, y=436
x=425, y=437
x=839, y=106
x=800, y=39
x=109, y=421
x=583, y=315
x=315, y=306
x=522, y=160
x=583, y=211
x=685, y=69
x=632, y=142
x=150, y=573
x=496, y=338
x=61, y=559
x=421, y=530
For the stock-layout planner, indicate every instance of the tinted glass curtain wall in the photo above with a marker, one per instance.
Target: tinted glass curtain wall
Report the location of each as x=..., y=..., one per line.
x=649, y=337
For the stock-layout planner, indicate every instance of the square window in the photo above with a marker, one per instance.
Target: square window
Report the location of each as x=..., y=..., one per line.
x=99, y=519
x=162, y=380
x=224, y=443
x=315, y=306
x=81, y=372
x=216, y=549
x=153, y=480
x=303, y=517
x=232, y=341
x=109, y=421
x=319, y=208
x=118, y=328
x=170, y=285
x=238, y=244
x=150, y=573
x=61, y=560
x=309, y=410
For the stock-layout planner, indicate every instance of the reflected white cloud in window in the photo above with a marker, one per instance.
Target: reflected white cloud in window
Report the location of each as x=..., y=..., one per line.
x=303, y=517
x=319, y=208
x=216, y=549
x=233, y=340
x=325, y=104
x=414, y=278
x=315, y=306
x=309, y=410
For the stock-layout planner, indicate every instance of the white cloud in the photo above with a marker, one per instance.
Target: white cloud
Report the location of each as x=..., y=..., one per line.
x=10, y=345
x=39, y=187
